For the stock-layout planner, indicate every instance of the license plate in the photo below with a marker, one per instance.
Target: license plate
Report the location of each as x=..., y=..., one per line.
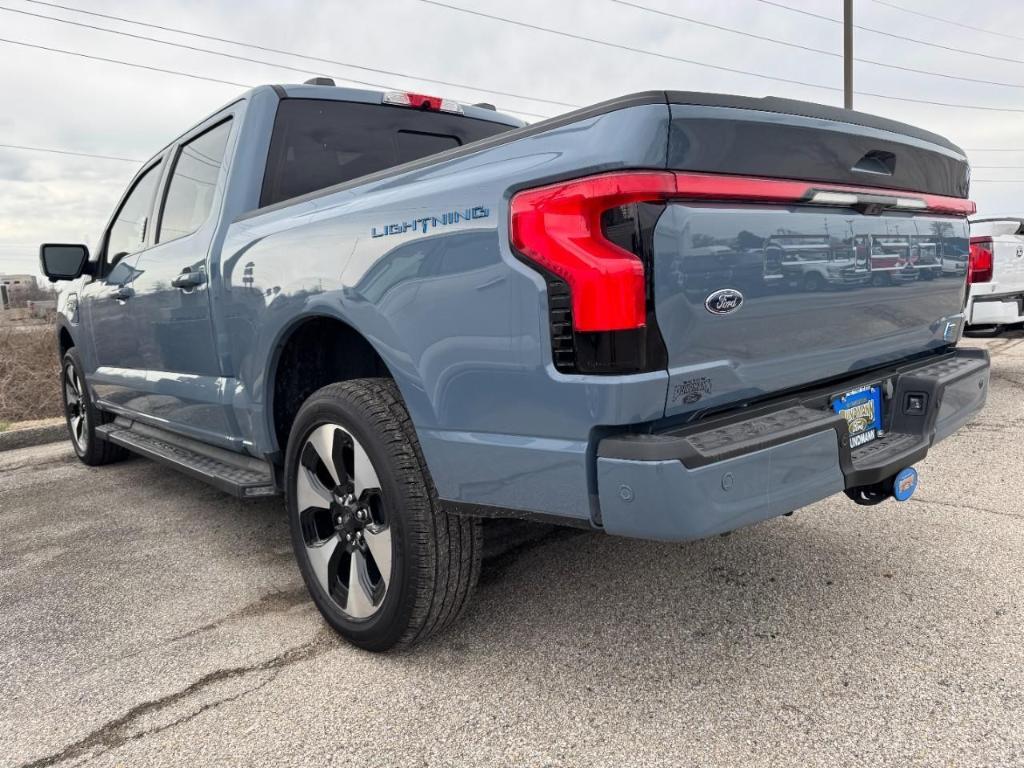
x=862, y=409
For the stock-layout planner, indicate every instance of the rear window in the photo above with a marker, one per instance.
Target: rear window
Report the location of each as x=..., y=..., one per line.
x=318, y=143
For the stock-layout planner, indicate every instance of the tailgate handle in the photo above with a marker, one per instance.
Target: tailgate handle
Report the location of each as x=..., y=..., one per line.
x=876, y=161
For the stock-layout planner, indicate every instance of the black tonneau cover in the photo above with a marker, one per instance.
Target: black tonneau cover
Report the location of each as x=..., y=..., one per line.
x=808, y=109
x=785, y=139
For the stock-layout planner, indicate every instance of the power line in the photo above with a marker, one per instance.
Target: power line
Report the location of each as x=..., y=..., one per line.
x=890, y=34
x=940, y=103
x=959, y=24
x=477, y=13
x=725, y=29
x=146, y=38
x=268, y=49
x=810, y=49
x=997, y=181
x=990, y=149
x=989, y=167
x=733, y=70
x=622, y=47
x=123, y=63
x=69, y=152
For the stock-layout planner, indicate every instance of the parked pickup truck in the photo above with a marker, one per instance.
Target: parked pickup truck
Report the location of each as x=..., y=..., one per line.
x=409, y=315
x=995, y=273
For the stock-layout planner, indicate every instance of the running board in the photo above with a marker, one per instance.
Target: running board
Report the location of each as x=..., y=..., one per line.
x=239, y=475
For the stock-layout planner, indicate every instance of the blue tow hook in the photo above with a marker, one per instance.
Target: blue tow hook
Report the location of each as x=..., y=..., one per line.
x=905, y=483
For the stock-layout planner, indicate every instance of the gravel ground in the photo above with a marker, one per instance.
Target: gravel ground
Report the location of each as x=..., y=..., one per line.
x=147, y=620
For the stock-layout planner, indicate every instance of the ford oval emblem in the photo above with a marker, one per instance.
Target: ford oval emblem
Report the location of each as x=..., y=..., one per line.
x=723, y=301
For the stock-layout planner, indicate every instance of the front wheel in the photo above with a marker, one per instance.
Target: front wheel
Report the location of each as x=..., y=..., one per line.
x=383, y=562
x=82, y=416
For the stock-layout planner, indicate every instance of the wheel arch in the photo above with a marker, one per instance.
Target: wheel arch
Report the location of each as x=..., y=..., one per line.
x=65, y=339
x=312, y=351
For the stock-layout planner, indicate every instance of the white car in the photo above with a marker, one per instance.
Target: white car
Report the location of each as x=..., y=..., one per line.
x=995, y=273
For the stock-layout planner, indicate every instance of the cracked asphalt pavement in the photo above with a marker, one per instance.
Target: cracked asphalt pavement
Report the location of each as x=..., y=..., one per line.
x=149, y=620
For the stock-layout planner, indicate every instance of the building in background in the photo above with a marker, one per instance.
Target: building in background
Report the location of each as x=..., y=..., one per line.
x=18, y=290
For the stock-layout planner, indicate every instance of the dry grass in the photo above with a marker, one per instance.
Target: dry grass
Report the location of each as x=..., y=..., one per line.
x=29, y=373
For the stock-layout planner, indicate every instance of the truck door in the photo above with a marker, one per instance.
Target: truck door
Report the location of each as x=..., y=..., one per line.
x=116, y=361
x=171, y=308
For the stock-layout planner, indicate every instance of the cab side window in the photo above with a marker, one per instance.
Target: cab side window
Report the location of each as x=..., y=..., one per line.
x=128, y=232
x=193, y=183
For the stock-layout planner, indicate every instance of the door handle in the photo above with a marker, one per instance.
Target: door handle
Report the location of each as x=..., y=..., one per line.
x=186, y=281
x=122, y=294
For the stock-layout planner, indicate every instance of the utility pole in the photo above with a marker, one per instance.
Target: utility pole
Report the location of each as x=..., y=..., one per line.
x=848, y=54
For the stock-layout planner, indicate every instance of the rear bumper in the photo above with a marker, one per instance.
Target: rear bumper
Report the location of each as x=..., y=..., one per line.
x=1001, y=309
x=700, y=481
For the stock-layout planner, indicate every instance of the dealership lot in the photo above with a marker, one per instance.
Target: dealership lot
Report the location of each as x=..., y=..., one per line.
x=150, y=620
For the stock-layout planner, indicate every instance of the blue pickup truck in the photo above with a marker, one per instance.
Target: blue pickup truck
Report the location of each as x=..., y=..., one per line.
x=409, y=315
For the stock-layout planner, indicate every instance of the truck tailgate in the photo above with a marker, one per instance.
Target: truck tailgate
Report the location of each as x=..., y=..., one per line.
x=803, y=244
x=1008, y=264
x=801, y=301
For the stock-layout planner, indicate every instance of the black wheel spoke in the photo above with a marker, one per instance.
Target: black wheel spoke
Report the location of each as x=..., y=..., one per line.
x=323, y=557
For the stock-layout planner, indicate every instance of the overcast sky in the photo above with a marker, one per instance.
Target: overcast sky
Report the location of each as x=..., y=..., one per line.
x=53, y=100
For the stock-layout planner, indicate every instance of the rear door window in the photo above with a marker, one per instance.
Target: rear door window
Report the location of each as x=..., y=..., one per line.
x=318, y=143
x=190, y=193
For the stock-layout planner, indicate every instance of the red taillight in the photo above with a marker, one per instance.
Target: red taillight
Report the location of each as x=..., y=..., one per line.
x=558, y=227
x=979, y=262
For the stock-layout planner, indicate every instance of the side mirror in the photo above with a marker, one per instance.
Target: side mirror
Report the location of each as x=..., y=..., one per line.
x=63, y=262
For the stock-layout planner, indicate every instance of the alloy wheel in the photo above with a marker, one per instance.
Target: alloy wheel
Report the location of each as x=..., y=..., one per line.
x=77, y=413
x=343, y=519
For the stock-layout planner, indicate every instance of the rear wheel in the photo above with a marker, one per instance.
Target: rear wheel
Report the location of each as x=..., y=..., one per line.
x=383, y=563
x=82, y=416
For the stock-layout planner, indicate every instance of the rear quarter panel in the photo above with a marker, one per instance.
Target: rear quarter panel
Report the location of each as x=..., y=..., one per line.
x=459, y=321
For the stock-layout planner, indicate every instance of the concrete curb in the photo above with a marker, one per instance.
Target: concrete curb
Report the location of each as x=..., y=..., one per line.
x=26, y=438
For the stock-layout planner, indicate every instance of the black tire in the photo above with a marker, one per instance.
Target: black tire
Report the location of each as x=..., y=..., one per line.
x=814, y=282
x=82, y=416
x=434, y=556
